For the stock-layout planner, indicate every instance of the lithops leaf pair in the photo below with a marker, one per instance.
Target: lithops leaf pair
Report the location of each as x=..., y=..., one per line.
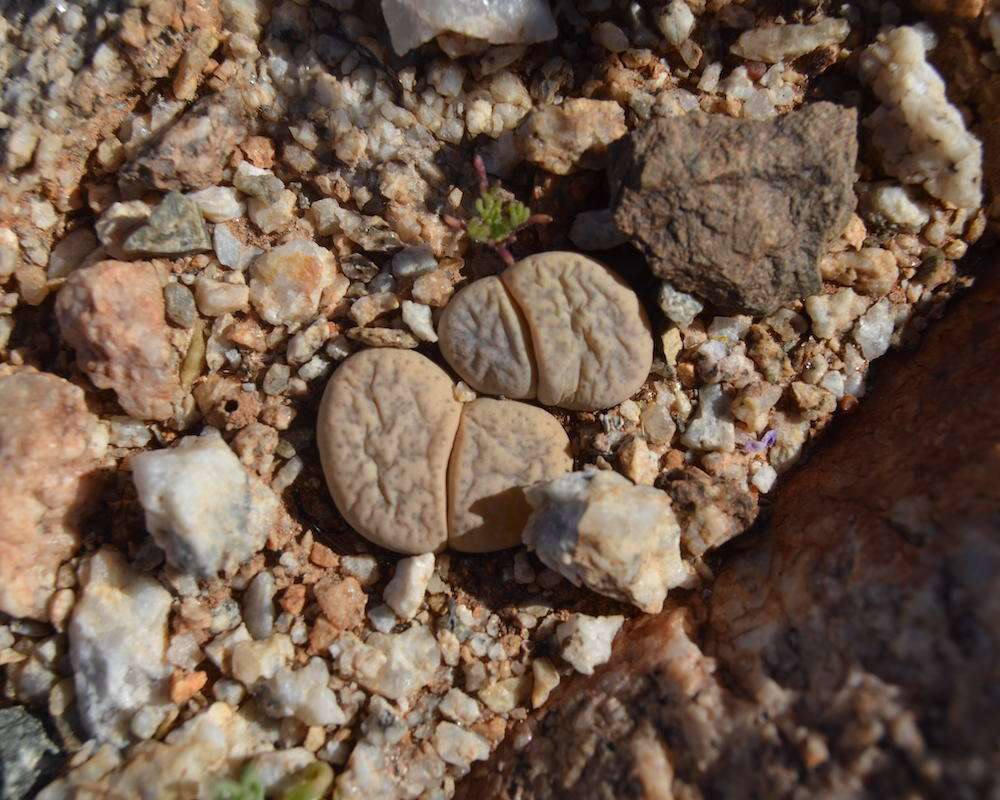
x=414, y=470
x=559, y=327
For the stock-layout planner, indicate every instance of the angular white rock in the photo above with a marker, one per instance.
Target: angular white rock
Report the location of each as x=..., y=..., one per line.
x=458, y=746
x=832, y=314
x=600, y=530
x=897, y=205
x=405, y=592
x=218, y=203
x=304, y=694
x=920, y=136
x=712, y=428
x=457, y=706
x=418, y=319
x=204, y=509
x=118, y=645
x=586, y=641
x=675, y=21
x=230, y=251
x=873, y=331
x=253, y=661
x=413, y=22
x=393, y=665
x=680, y=308
x=774, y=43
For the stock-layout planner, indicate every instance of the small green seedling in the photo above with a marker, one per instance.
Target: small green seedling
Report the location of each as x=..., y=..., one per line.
x=249, y=787
x=498, y=219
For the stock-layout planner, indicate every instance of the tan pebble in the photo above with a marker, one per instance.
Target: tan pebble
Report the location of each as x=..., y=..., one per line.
x=185, y=685
x=322, y=635
x=501, y=446
x=637, y=463
x=293, y=599
x=60, y=606
x=342, y=602
x=546, y=679
x=323, y=556
x=383, y=337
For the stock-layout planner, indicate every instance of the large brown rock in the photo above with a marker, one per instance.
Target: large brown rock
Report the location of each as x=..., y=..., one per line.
x=113, y=315
x=853, y=650
x=738, y=212
x=50, y=445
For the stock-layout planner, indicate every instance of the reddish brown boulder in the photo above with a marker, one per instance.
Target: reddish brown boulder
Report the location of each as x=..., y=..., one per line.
x=852, y=650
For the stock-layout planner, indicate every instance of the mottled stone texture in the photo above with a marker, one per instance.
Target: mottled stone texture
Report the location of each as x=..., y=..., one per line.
x=50, y=450
x=853, y=650
x=190, y=153
x=738, y=212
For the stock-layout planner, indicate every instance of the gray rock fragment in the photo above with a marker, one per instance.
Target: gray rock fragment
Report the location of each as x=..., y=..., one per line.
x=738, y=212
x=180, y=306
x=175, y=228
x=27, y=755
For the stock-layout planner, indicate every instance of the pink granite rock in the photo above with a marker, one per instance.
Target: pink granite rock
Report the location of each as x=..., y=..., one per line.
x=113, y=315
x=50, y=445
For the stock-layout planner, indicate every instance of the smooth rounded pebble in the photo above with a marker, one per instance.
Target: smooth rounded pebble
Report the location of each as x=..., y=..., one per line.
x=558, y=326
x=413, y=470
x=486, y=340
x=385, y=430
x=502, y=446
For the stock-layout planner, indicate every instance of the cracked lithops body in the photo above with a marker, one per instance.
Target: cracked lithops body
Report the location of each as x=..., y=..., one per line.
x=559, y=327
x=414, y=470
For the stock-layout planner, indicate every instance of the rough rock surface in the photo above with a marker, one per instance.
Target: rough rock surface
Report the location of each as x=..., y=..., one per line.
x=113, y=315
x=738, y=212
x=385, y=432
x=571, y=136
x=501, y=448
x=850, y=652
x=190, y=759
x=202, y=506
x=920, y=135
x=286, y=282
x=50, y=444
x=393, y=665
x=117, y=643
x=600, y=530
x=774, y=43
x=174, y=228
x=191, y=153
x=27, y=754
x=413, y=22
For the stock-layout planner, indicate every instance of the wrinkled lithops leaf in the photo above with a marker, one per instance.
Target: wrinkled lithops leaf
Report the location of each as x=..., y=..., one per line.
x=501, y=448
x=590, y=335
x=484, y=338
x=385, y=431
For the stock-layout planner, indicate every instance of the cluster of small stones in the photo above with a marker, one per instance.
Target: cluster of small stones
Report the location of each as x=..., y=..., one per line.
x=275, y=204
